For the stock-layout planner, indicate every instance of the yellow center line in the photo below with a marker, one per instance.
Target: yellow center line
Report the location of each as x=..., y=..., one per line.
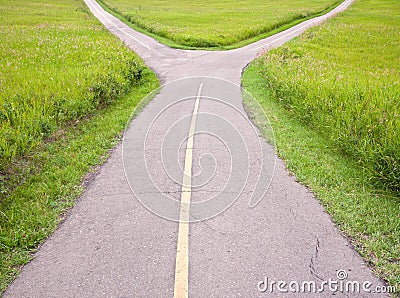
x=181, y=287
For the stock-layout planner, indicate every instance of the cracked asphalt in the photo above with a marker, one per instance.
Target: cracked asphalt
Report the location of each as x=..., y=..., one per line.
x=117, y=244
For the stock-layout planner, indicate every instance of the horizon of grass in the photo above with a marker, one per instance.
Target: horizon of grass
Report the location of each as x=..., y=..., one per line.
x=207, y=25
x=70, y=87
x=319, y=89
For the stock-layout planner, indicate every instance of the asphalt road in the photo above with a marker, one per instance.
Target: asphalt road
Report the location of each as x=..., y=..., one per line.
x=194, y=202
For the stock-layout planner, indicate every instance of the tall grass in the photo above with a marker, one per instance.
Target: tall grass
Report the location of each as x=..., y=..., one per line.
x=212, y=23
x=57, y=65
x=62, y=107
x=343, y=79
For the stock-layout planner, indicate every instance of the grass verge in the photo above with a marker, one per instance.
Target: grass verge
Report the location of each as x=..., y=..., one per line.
x=208, y=24
x=79, y=82
x=57, y=65
x=312, y=87
x=343, y=79
x=368, y=216
x=55, y=179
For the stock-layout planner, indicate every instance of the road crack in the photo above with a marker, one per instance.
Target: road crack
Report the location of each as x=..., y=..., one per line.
x=314, y=259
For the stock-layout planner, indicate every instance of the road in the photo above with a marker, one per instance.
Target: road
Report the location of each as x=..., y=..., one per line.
x=194, y=202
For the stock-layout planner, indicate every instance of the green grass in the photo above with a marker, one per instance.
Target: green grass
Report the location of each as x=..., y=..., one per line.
x=215, y=24
x=332, y=97
x=68, y=88
x=344, y=80
x=367, y=215
x=57, y=64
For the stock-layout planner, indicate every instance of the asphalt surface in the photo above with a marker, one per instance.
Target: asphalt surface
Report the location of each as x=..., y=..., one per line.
x=244, y=220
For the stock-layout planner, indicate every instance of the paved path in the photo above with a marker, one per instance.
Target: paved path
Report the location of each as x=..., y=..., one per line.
x=192, y=155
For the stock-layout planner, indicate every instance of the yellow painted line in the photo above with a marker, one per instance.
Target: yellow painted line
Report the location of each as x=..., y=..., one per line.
x=181, y=288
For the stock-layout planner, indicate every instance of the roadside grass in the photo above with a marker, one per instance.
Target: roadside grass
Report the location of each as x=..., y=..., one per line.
x=368, y=216
x=343, y=79
x=214, y=24
x=57, y=64
x=56, y=176
x=59, y=70
x=33, y=210
x=332, y=97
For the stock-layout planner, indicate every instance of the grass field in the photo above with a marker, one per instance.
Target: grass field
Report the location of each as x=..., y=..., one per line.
x=57, y=65
x=210, y=23
x=344, y=79
x=333, y=97
x=67, y=89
